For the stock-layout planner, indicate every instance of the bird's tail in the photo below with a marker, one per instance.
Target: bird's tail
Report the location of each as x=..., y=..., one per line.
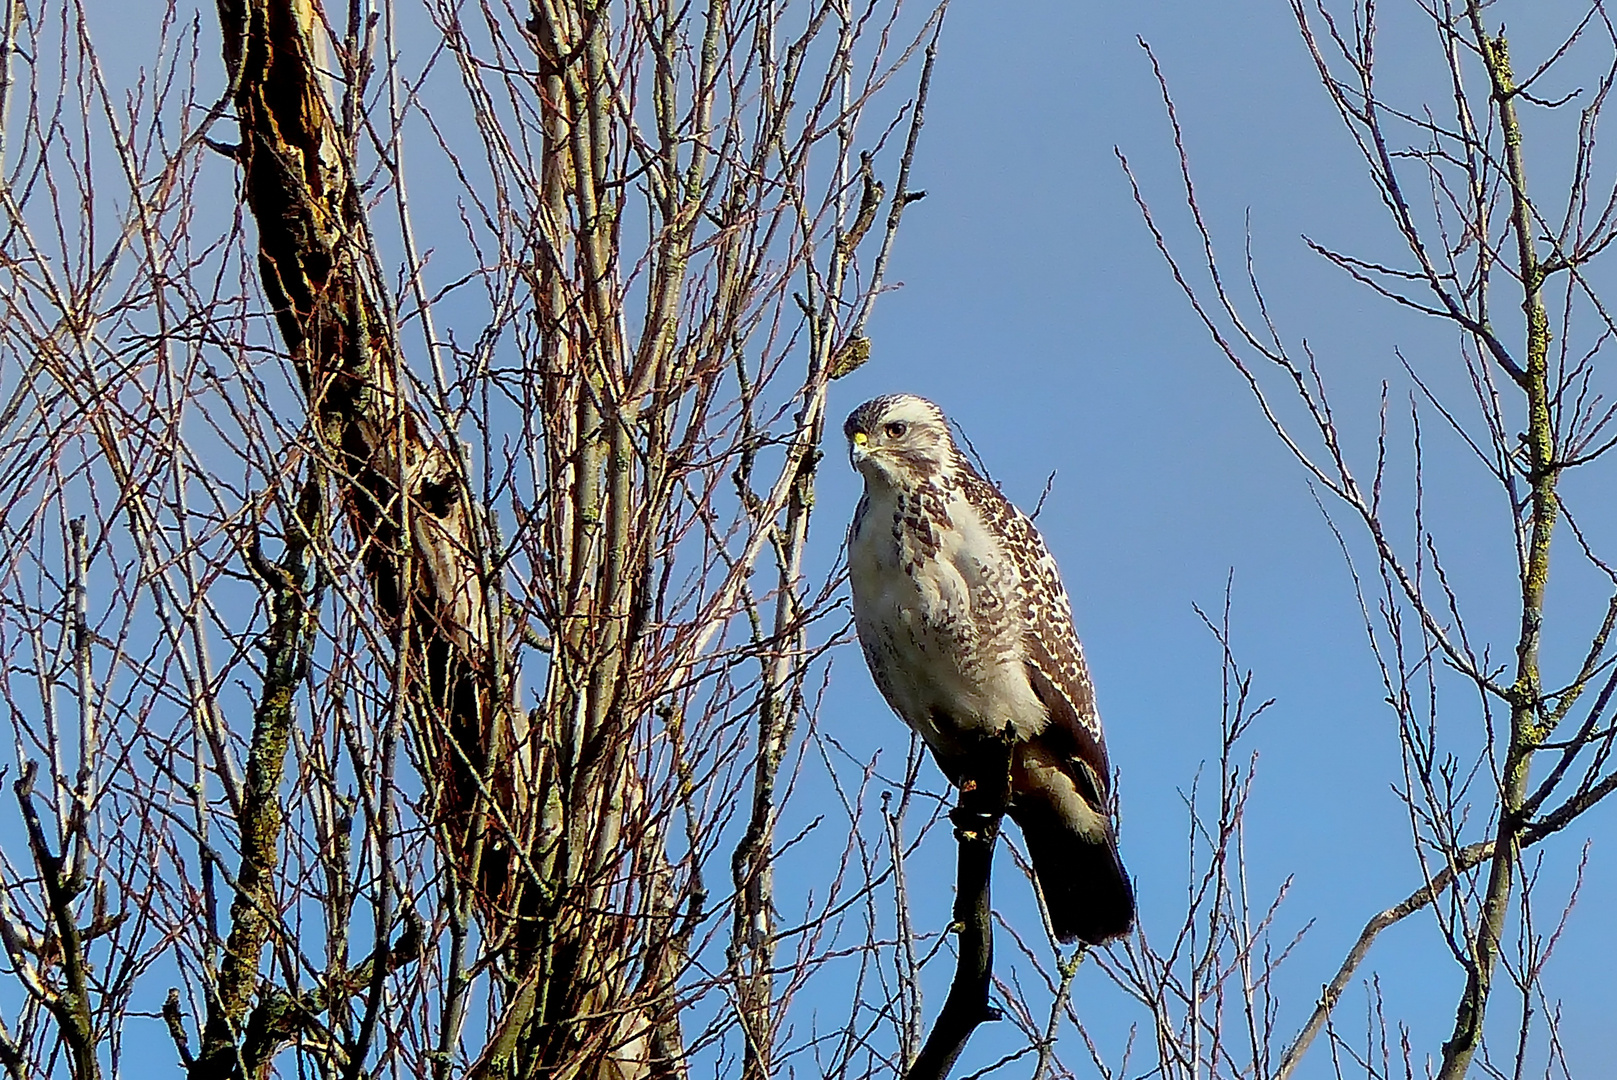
x=1086, y=889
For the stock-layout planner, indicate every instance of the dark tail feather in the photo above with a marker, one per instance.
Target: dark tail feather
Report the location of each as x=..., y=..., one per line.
x=1086, y=889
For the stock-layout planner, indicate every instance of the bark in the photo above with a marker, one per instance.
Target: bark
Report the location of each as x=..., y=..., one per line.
x=1526, y=693
x=402, y=490
x=976, y=820
x=253, y=913
x=536, y=839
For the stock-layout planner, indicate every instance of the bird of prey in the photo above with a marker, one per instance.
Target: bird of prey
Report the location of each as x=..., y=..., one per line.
x=968, y=632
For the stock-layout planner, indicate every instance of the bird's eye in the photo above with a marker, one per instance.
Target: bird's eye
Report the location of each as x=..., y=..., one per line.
x=896, y=429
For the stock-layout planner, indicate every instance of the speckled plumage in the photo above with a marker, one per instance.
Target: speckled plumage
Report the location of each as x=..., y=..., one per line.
x=968, y=632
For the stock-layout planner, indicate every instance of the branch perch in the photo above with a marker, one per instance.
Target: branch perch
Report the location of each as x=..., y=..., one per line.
x=976, y=827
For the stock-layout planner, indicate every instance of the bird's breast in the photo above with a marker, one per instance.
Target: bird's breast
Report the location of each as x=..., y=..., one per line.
x=933, y=609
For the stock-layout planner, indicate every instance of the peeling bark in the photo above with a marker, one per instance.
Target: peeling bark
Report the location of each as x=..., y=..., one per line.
x=401, y=489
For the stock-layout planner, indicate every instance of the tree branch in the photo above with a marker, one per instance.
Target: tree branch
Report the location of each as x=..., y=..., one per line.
x=976, y=827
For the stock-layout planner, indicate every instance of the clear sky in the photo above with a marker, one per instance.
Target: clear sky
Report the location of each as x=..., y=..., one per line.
x=1037, y=312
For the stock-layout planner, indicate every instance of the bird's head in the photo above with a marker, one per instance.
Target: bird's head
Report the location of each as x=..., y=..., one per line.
x=899, y=440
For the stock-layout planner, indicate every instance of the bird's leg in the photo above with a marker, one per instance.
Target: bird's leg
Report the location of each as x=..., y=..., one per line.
x=985, y=788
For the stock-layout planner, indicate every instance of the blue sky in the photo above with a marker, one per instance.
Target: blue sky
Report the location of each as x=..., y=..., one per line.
x=1037, y=312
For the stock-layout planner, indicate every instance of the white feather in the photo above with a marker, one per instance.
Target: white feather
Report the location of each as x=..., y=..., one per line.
x=938, y=656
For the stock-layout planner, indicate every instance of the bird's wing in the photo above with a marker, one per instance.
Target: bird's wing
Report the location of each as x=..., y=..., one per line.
x=1054, y=658
x=1073, y=735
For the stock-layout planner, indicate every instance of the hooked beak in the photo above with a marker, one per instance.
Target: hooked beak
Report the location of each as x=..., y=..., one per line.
x=856, y=448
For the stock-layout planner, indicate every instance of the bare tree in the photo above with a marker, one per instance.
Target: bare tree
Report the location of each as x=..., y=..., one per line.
x=1505, y=743
x=427, y=586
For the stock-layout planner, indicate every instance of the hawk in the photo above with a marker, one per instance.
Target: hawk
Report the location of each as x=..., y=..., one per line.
x=968, y=633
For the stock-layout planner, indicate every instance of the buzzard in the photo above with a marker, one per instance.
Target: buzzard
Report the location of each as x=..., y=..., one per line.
x=968, y=632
